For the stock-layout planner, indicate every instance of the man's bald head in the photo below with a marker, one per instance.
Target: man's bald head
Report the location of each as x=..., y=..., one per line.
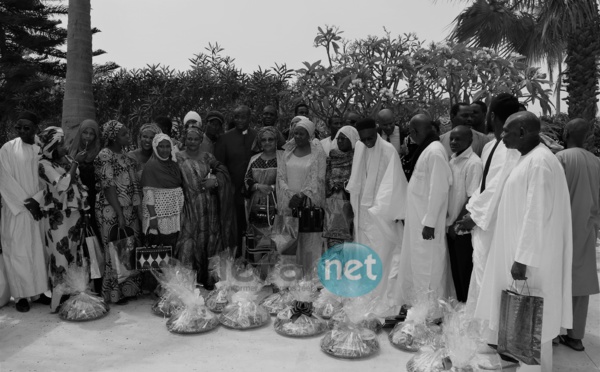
x=575, y=132
x=526, y=120
x=420, y=127
x=461, y=138
x=385, y=119
x=522, y=131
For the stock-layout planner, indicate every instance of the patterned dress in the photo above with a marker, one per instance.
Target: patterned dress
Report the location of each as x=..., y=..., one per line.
x=118, y=171
x=64, y=201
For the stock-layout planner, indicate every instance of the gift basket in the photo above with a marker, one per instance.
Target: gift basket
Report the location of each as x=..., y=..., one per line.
x=416, y=331
x=282, y=276
x=170, y=302
x=298, y=319
x=350, y=339
x=327, y=304
x=429, y=360
x=82, y=305
x=243, y=311
x=222, y=269
x=368, y=317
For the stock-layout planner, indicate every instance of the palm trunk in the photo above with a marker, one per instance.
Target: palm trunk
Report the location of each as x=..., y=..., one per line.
x=78, y=103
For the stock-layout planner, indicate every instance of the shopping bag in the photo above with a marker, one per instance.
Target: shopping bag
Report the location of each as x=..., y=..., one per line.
x=520, y=328
x=339, y=218
x=310, y=218
x=154, y=255
x=121, y=248
x=284, y=233
x=93, y=251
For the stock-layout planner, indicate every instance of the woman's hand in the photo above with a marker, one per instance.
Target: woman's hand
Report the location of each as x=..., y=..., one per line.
x=153, y=223
x=297, y=200
x=265, y=189
x=80, y=157
x=121, y=219
x=209, y=184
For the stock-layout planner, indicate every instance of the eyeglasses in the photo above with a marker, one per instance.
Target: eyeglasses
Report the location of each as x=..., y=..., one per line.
x=267, y=139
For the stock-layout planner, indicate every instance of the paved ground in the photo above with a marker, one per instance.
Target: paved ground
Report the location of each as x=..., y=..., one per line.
x=131, y=338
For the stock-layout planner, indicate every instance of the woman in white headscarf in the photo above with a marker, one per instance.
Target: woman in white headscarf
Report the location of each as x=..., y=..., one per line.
x=338, y=211
x=301, y=176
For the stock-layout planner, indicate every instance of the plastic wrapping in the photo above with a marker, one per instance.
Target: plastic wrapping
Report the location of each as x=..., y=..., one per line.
x=243, y=311
x=359, y=310
x=282, y=276
x=460, y=337
x=82, y=305
x=416, y=332
x=428, y=360
x=222, y=268
x=194, y=317
x=174, y=273
x=298, y=319
x=327, y=304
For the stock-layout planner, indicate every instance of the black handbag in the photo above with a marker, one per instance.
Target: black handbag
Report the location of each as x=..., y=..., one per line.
x=310, y=218
x=154, y=255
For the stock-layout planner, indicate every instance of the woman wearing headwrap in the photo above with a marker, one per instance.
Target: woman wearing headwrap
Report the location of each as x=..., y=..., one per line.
x=207, y=223
x=118, y=198
x=261, y=176
x=338, y=215
x=301, y=175
x=65, y=200
x=144, y=151
x=163, y=194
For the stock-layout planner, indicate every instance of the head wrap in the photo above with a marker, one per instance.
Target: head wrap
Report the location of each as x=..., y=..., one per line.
x=153, y=127
x=350, y=132
x=215, y=115
x=28, y=115
x=308, y=125
x=161, y=173
x=192, y=115
x=256, y=146
x=110, y=130
x=93, y=148
x=50, y=138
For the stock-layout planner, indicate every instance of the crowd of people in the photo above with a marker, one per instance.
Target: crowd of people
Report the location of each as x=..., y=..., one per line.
x=461, y=215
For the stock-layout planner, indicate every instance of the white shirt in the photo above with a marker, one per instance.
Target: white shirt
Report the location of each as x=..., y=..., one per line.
x=328, y=144
x=394, y=138
x=479, y=141
x=467, y=170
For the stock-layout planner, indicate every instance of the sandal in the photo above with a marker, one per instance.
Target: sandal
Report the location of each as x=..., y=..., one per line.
x=573, y=343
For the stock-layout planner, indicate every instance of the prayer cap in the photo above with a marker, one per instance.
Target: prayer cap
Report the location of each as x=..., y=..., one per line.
x=365, y=123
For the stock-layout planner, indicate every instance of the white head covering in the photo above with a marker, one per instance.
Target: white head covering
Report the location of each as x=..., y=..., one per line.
x=350, y=132
x=308, y=125
x=192, y=115
x=158, y=139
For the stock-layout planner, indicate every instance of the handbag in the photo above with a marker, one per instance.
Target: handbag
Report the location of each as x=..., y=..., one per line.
x=520, y=328
x=284, y=234
x=258, y=234
x=339, y=218
x=152, y=256
x=263, y=213
x=121, y=248
x=310, y=218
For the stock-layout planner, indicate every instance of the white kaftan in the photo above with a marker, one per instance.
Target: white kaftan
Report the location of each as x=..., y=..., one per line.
x=424, y=264
x=377, y=188
x=533, y=227
x=483, y=207
x=22, y=243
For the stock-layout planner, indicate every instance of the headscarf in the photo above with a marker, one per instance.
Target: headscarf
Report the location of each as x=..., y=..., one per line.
x=350, y=132
x=257, y=147
x=161, y=173
x=192, y=115
x=110, y=130
x=50, y=138
x=92, y=149
x=308, y=125
x=151, y=127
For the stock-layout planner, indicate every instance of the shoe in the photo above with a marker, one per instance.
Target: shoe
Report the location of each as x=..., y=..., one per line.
x=22, y=306
x=122, y=301
x=573, y=343
x=44, y=300
x=556, y=341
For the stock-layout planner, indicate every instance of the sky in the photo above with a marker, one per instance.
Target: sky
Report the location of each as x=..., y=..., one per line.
x=135, y=33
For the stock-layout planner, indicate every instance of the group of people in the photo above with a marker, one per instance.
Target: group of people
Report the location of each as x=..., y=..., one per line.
x=459, y=215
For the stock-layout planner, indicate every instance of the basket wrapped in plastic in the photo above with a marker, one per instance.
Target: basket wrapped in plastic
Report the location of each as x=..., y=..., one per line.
x=194, y=317
x=82, y=305
x=222, y=269
x=243, y=311
x=298, y=319
x=327, y=304
x=429, y=360
x=366, y=319
x=416, y=332
x=169, y=302
x=282, y=276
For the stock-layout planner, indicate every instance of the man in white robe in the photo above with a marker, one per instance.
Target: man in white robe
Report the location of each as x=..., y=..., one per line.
x=377, y=188
x=20, y=229
x=424, y=263
x=532, y=239
x=498, y=162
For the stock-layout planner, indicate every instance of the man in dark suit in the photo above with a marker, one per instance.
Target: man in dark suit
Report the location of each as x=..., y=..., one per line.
x=233, y=149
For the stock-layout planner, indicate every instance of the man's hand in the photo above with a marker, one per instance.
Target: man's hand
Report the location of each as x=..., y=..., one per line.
x=34, y=208
x=428, y=233
x=518, y=271
x=466, y=224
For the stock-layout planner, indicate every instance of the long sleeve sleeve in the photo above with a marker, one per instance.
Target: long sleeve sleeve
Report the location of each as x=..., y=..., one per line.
x=440, y=179
x=13, y=194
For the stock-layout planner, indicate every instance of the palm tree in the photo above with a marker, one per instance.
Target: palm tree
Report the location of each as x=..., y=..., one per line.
x=78, y=103
x=542, y=30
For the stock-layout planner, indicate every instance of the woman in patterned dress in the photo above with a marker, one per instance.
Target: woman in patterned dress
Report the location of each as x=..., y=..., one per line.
x=65, y=200
x=207, y=223
x=118, y=198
